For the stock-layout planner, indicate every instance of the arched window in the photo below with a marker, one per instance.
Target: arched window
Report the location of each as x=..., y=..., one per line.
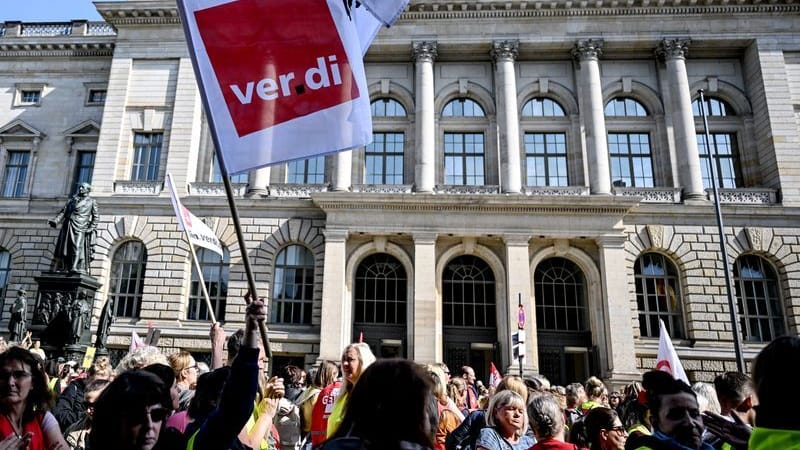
x=628, y=149
x=658, y=295
x=464, y=151
x=381, y=290
x=723, y=143
x=293, y=286
x=468, y=293
x=306, y=171
x=760, y=311
x=545, y=148
x=215, y=275
x=542, y=107
x=560, y=289
x=463, y=107
x=387, y=107
x=5, y=268
x=127, y=278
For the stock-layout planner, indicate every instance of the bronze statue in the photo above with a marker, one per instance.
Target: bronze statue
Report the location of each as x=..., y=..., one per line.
x=104, y=325
x=78, y=312
x=19, y=312
x=75, y=244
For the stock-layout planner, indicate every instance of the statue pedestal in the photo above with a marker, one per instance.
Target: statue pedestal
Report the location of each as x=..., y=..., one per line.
x=53, y=313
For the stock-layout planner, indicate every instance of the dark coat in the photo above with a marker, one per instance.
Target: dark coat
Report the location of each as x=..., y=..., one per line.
x=69, y=407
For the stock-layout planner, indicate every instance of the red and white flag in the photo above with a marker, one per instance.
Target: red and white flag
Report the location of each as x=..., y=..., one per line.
x=282, y=79
x=199, y=233
x=494, y=376
x=136, y=342
x=667, y=359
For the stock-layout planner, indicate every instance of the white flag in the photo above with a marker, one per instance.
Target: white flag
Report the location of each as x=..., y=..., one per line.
x=282, y=79
x=667, y=359
x=387, y=11
x=199, y=233
x=371, y=16
x=136, y=342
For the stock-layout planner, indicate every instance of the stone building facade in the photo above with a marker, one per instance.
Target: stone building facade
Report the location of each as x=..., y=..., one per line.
x=541, y=156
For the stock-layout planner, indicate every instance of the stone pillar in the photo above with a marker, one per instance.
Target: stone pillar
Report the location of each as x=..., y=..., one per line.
x=427, y=328
x=616, y=336
x=504, y=53
x=342, y=176
x=519, y=285
x=336, y=323
x=587, y=52
x=673, y=52
x=257, y=181
x=424, y=54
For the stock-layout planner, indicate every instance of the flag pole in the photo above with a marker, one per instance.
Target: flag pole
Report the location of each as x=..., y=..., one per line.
x=712, y=161
x=200, y=276
x=521, y=327
x=251, y=283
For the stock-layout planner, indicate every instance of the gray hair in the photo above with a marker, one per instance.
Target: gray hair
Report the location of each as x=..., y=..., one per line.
x=545, y=416
x=501, y=400
x=142, y=357
x=706, y=397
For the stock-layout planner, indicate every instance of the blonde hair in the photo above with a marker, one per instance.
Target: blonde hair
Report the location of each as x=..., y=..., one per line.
x=502, y=399
x=594, y=388
x=365, y=359
x=101, y=369
x=439, y=386
x=178, y=361
x=513, y=383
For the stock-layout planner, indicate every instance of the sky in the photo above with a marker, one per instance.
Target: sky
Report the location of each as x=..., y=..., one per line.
x=47, y=10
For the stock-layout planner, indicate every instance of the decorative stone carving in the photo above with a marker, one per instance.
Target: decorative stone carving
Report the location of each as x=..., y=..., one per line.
x=382, y=188
x=588, y=49
x=656, y=235
x=463, y=189
x=216, y=189
x=755, y=237
x=138, y=187
x=561, y=247
x=752, y=196
x=424, y=51
x=380, y=243
x=505, y=50
x=555, y=191
x=296, y=190
x=469, y=244
x=651, y=195
x=673, y=48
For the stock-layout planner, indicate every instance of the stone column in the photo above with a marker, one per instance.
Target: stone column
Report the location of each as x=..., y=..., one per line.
x=673, y=52
x=519, y=285
x=424, y=54
x=342, y=176
x=257, y=181
x=616, y=336
x=504, y=53
x=427, y=328
x=587, y=52
x=336, y=323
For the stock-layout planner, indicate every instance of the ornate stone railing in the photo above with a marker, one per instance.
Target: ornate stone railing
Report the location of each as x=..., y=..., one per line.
x=100, y=29
x=463, y=189
x=290, y=190
x=651, y=195
x=216, y=189
x=746, y=196
x=383, y=188
x=555, y=191
x=138, y=187
x=46, y=29
x=56, y=29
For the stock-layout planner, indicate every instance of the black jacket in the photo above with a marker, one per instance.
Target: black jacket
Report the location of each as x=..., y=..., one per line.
x=69, y=407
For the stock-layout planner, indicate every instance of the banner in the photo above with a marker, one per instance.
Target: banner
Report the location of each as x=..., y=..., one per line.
x=282, y=80
x=667, y=359
x=387, y=11
x=199, y=233
x=371, y=16
x=494, y=376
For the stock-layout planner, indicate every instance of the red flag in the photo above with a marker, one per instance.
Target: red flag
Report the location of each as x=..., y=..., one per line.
x=494, y=376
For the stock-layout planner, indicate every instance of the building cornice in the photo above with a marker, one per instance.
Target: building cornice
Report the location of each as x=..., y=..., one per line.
x=139, y=12
x=61, y=49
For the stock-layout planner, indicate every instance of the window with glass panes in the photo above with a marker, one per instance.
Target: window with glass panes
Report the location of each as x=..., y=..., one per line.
x=5, y=269
x=658, y=295
x=216, y=175
x=381, y=291
x=15, y=174
x=146, y=156
x=560, y=296
x=30, y=96
x=468, y=293
x=761, y=314
x=215, y=276
x=84, y=167
x=293, y=286
x=384, y=159
x=542, y=107
x=306, y=171
x=723, y=146
x=463, y=107
x=464, y=159
x=546, y=159
x=631, y=161
x=127, y=278
x=387, y=107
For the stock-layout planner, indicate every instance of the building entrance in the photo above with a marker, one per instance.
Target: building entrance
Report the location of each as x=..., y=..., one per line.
x=380, y=307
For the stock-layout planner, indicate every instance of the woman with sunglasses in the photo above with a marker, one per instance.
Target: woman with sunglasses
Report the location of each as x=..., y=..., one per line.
x=130, y=412
x=25, y=422
x=604, y=429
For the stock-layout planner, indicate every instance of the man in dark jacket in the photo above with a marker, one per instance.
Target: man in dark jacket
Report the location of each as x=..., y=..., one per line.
x=69, y=408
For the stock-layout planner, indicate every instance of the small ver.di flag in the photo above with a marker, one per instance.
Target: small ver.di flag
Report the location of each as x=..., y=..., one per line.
x=199, y=233
x=282, y=79
x=667, y=359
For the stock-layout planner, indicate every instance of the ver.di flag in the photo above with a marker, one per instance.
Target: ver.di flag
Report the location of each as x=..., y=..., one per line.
x=282, y=79
x=199, y=233
x=667, y=359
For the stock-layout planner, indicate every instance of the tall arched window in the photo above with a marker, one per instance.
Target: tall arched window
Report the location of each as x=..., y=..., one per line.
x=384, y=156
x=629, y=143
x=215, y=275
x=545, y=149
x=293, y=286
x=760, y=311
x=464, y=152
x=658, y=295
x=127, y=278
x=722, y=123
x=5, y=268
x=381, y=290
x=560, y=289
x=468, y=293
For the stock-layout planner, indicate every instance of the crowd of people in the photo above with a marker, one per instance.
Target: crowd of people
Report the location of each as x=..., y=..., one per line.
x=157, y=401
